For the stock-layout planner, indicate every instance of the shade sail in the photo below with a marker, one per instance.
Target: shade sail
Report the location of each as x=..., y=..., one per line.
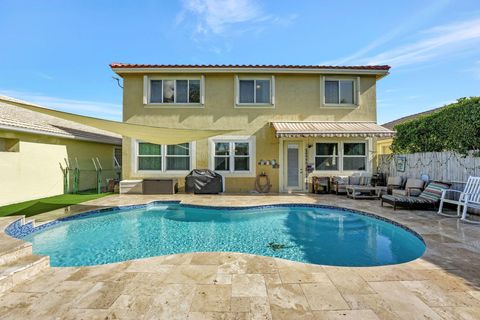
x=298, y=129
x=158, y=135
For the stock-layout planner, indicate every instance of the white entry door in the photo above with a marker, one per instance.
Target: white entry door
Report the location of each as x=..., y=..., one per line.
x=293, y=173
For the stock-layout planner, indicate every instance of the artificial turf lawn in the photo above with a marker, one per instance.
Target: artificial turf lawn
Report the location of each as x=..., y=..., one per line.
x=33, y=207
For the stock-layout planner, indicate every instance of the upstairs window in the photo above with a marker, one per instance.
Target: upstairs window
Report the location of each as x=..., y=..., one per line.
x=174, y=91
x=255, y=91
x=340, y=92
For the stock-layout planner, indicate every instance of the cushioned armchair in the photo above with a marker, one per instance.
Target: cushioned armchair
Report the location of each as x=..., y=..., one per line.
x=339, y=184
x=413, y=187
x=394, y=183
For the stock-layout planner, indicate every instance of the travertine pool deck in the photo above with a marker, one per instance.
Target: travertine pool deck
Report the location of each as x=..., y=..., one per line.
x=443, y=284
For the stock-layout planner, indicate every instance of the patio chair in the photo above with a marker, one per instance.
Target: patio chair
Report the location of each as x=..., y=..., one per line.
x=428, y=199
x=339, y=184
x=413, y=187
x=468, y=198
x=394, y=183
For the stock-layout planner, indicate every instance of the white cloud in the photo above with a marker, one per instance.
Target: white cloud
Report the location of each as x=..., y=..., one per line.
x=437, y=42
x=408, y=24
x=97, y=109
x=218, y=17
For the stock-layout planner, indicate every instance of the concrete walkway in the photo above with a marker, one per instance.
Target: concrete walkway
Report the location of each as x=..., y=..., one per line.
x=443, y=284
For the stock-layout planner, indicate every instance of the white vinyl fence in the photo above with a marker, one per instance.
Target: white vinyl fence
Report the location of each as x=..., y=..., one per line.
x=440, y=166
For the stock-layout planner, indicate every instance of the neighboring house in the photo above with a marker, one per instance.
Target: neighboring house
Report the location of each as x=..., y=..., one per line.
x=34, y=146
x=305, y=120
x=384, y=144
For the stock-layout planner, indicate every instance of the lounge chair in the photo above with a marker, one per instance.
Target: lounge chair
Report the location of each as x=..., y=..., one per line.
x=468, y=198
x=413, y=187
x=428, y=199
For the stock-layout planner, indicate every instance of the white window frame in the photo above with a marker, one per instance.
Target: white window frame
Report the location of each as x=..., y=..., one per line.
x=355, y=156
x=238, y=104
x=338, y=156
x=147, y=84
x=356, y=92
x=231, y=140
x=341, y=157
x=163, y=171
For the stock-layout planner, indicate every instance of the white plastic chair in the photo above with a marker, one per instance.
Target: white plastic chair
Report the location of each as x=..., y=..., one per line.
x=469, y=198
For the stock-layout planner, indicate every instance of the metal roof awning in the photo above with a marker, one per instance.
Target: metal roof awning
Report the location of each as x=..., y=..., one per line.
x=304, y=129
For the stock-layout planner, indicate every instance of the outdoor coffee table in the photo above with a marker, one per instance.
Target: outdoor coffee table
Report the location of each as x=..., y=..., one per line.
x=364, y=192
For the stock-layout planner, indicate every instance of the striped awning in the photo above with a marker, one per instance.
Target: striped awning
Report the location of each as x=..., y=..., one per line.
x=296, y=129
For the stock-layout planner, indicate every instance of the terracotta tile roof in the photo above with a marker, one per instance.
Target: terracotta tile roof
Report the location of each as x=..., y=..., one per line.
x=119, y=65
x=19, y=119
x=330, y=129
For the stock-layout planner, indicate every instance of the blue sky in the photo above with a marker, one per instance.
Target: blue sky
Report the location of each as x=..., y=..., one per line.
x=56, y=53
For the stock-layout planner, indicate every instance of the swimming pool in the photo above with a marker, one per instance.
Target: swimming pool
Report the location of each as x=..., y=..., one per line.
x=305, y=233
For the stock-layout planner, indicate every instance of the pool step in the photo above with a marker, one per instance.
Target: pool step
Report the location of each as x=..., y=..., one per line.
x=15, y=252
x=17, y=261
x=21, y=269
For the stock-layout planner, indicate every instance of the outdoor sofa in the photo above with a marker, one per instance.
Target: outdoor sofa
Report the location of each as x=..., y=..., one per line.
x=340, y=184
x=428, y=199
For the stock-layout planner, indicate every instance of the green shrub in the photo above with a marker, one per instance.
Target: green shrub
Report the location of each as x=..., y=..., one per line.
x=456, y=127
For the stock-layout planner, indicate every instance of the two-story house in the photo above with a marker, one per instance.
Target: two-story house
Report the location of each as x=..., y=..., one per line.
x=290, y=122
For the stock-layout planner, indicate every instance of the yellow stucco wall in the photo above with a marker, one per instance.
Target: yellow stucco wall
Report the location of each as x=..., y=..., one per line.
x=34, y=171
x=297, y=98
x=383, y=146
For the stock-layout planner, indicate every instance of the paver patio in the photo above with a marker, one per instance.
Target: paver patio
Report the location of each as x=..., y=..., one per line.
x=443, y=284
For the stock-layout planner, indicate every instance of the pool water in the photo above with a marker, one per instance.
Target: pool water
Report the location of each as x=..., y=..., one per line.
x=320, y=235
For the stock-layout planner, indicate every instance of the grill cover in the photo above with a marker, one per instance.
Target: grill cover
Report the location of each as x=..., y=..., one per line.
x=203, y=181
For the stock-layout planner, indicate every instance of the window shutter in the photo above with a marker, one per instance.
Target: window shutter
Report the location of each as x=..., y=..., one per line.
x=322, y=91
x=145, y=89
x=237, y=90
x=273, y=90
x=358, y=92
x=202, y=89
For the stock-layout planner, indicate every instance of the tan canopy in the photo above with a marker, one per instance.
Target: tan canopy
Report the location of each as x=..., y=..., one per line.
x=158, y=135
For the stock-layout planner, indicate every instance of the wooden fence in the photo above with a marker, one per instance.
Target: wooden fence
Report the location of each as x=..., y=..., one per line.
x=440, y=166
